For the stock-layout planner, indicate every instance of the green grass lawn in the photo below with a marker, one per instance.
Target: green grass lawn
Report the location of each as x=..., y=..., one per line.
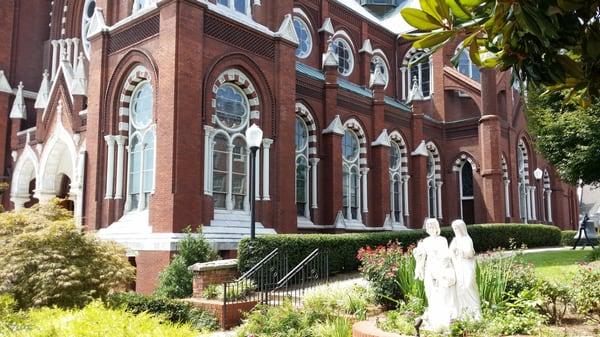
x=556, y=265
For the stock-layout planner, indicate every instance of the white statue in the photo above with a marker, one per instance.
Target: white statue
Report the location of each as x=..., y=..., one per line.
x=434, y=267
x=463, y=258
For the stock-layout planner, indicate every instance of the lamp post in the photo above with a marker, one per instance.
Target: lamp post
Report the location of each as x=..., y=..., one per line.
x=254, y=137
x=538, y=173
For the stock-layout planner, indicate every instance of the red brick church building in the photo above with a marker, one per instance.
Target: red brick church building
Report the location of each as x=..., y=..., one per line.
x=135, y=111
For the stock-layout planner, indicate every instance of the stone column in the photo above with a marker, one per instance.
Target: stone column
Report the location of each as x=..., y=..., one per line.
x=120, y=163
x=110, y=166
x=266, y=171
x=549, y=205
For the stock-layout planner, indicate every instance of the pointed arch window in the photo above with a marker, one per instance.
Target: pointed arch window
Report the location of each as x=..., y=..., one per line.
x=466, y=192
x=141, y=148
x=526, y=192
x=434, y=183
x=466, y=66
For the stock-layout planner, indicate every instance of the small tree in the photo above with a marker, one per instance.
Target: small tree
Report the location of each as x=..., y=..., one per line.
x=176, y=280
x=46, y=260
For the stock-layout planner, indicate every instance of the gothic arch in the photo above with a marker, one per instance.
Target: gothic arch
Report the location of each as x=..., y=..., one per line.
x=303, y=112
x=26, y=169
x=398, y=138
x=431, y=147
x=461, y=159
x=356, y=126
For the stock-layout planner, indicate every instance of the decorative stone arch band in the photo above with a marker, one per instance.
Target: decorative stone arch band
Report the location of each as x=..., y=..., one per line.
x=240, y=79
x=303, y=112
x=354, y=125
x=460, y=161
x=521, y=145
x=506, y=180
x=396, y=137
x=436, y=158
x=138, y=75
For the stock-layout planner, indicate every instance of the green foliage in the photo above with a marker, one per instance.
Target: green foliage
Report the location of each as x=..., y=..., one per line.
x=324, y=312
x=566, y=134
x=343, y=248
x=586, y=292
x=47, y=261
x=176, y=280
x=555, y=299
x=391, y=272
x=95, y=320
x=594, y=255
x=278, y=321
x=555, y=43
x=237, y=292
x=173, y=310
x=211, y=292
x=11, y=319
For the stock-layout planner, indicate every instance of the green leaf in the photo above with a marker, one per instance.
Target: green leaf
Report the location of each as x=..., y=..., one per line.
x=433, y=40
x=458, y=10
x=414, y=37
x=420, y=20
x=470, y=3
x=435, y=8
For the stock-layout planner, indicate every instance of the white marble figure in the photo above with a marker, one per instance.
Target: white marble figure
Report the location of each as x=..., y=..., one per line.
x=434, y=267
x=463, y=258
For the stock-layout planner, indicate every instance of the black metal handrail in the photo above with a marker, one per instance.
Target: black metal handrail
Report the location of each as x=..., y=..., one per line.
x=259, y=265
x=297, y=269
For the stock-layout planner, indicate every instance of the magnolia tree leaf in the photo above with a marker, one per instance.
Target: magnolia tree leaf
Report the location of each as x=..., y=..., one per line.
x=420, y=20
x=457, y=10
x=433, y=40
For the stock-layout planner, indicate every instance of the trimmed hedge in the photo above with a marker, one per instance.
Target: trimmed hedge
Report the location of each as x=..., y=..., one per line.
x=344, y=247
x=568, y=239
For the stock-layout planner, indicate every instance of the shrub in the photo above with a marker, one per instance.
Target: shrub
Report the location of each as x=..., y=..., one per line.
x=342, y=248
x=96, y=320
x=235, y=292
x=46, y=260
x=176, y=280
x=555, y=299
x=279, y=321
x=585, y=292
x=172, y=310
x=328, y=302
x=594, y=255
x=391, y=272
x=339, y=327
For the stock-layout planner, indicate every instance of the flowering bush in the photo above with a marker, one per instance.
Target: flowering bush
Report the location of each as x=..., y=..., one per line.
x=390, y=270
x=586, y=292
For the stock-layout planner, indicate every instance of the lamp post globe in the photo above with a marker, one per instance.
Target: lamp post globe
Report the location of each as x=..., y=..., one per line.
x=254, y=136
x=538, y=173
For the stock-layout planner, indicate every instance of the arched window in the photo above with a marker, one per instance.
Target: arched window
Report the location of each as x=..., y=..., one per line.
x=526, y=200
x=304, y=37
x=241, y=6
x=230, y=153
x=350, y=154
x=506, y=179
x=342, y=49
x=89, y=9
x=466, y=66
x=302, y=172
x=141, y=148
x=419, y=72
x=378, y=62
x=139, y=5
x=467, y=210
x=398, y=180
x=434, y=183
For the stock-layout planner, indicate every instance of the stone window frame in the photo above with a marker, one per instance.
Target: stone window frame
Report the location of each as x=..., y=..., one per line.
x=309, y=153
x=458, y=167
x=298, y=14
x=526, y=191
x=434, y=183
x=231, y=6
x=344, y=38
x=359, y=164
x=407, y=80
x=399, y=174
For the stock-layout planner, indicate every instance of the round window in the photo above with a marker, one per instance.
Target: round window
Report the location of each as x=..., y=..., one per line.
x=232, y=106
x=304, y=38
x=394, y=156
x=350, y=146
x=377, y=62
x=88, y=12
x=345, y=57
x=301, y=135
x=141, y=106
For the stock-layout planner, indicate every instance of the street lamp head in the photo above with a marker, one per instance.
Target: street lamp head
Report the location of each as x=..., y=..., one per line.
x=254, y=136
x=538, y=173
